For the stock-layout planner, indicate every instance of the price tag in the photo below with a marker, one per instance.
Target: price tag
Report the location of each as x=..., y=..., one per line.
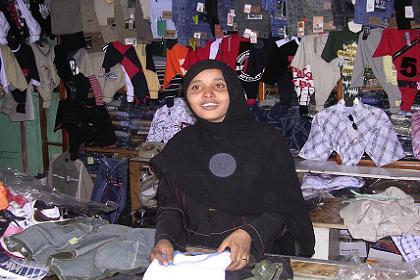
x=247, y=8
x=90, y=160
x=130, y=41
x=247, y=33
x=200, y=7
x=407, y=38
x=230, y=19
x=409, y=13
x=253, y=37
x=197, y=35
x=370, y=6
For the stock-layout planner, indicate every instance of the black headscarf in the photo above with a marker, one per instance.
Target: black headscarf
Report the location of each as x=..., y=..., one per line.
x=239, y=165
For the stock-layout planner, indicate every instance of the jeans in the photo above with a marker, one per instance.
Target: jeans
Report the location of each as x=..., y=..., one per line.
x=342, y=10
x=381, y=14
x=277, y=9
x=84, y=248
x=111, y=185
x=297, y=10
x=183, y=12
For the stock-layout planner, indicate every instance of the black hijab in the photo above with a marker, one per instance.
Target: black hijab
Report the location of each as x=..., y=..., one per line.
x=239, y=165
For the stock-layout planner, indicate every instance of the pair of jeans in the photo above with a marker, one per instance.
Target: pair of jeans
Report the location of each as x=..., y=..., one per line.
x=86, y=248
x=183, y=12
x=277, y=9
x=381, y=14
x=298, y=10
x=111, y=186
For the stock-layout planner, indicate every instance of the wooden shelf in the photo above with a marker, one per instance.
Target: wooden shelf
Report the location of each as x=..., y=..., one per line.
x=331, y=167
x=129, y=153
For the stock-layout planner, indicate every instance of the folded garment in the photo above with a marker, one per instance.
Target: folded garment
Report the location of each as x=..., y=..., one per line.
x=374, y=216
x=326, y=182
x=204, y=267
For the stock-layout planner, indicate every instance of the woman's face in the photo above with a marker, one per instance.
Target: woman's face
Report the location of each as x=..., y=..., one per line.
x=208, y=95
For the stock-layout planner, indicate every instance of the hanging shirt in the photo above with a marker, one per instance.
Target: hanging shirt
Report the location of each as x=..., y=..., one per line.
x=110, y=82
x=364, y=59
x=126, y=55
x=168, y=121
x=145, y=56
x=406, y=58
x=352, y=131
x=33, y=26
x=66, y=17
x=44, y=57
x=325, y=75
x=4, y=29
x=11, y=74
x=342, y=44
x=175, y=57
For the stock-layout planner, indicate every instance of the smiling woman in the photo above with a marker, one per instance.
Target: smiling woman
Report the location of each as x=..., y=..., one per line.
x=214, y=188
x=208, y=95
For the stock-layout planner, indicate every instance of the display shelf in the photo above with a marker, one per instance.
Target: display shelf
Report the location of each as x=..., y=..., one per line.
x=331, y=167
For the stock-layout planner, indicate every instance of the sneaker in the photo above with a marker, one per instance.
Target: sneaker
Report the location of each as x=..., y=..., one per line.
x=11, y=268
x=43, y=212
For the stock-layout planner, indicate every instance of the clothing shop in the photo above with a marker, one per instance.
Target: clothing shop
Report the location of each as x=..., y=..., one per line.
x=209, y=139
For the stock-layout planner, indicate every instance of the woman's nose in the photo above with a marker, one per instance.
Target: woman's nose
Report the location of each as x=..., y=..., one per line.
x=208, y=92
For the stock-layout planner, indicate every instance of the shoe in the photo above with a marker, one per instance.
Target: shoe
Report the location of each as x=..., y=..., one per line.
x=44, y=212
x=11, y=268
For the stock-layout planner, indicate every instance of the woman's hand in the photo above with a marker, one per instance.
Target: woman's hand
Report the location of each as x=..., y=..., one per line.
x=239, y=243
x=163, y=252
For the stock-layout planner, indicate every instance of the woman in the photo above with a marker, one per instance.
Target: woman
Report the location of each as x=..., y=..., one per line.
x=227, y=181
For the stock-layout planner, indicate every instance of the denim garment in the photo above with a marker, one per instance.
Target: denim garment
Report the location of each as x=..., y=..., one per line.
x=277, y=9
x=92, y=160
x=224, y=7
x=288, y=121
x=298, y=10
x=183, y=12
x=111, y=184
x=342, y=10
x=262, y=26
x=380, y=15
x=86, y=248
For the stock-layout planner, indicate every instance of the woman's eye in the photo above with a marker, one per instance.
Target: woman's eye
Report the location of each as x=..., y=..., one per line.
x=195, y=87
x=220, y=86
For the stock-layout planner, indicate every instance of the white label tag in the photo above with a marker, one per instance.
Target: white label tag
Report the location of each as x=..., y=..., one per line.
x=130, y=41
x=200, y=7
x=407, y=39
x=232, y=11
x=247, y=8
x=90, y=160
x=230, y=19
x=398, y=103
x=409, y=13
x=253, y=37
x=247, y=33
x=370, y=6
x=197, y=35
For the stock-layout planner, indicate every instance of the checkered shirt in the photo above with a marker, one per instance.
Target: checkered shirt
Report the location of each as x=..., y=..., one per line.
x=408, y=245
x=415, y=134
x=332, y=130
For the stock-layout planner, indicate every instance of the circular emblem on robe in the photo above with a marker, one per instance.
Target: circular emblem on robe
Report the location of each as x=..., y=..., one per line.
x=222, y=165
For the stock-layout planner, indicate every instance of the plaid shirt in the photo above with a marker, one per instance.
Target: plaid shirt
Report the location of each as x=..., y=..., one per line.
x=408, y=245
x=351, y=131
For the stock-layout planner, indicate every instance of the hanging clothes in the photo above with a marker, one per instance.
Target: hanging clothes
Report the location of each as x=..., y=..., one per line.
x=352, y=131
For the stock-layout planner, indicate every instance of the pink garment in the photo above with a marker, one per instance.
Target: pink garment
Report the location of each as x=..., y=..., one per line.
x=415, y=134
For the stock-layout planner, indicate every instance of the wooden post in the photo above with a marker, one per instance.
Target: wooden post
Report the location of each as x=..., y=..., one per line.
x=24, y=147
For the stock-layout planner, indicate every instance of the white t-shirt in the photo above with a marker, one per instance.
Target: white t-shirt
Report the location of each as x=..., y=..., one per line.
x=325, y=74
